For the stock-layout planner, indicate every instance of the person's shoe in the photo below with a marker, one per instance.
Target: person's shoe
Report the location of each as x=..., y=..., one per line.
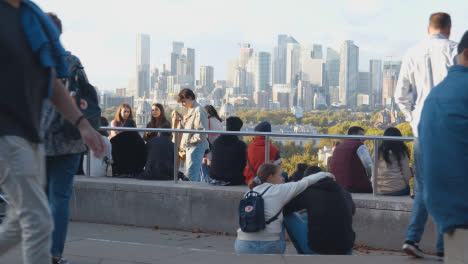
x=440, y=256
x=59, y=261
x=411, y=248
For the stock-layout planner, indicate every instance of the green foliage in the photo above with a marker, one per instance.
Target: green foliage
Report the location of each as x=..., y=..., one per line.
x=109, y=113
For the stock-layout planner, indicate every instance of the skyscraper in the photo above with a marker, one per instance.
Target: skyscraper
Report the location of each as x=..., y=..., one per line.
x=259, y=67
x=177, y=47
x=333, y=67
x=293, y=64
x=389, y=84
x=349, y=73
x=153, y=77
x=189, y=55
x=245, y=53
x=231, y=66
x=376, y=81
x=364, y=83
x=280, y=58
x=207, y=77
x=142, y=65
x=317, y=52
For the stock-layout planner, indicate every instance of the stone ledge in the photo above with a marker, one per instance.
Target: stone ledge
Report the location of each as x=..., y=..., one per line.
x=380, y=221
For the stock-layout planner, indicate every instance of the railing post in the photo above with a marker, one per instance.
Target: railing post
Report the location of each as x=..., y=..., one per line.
x=374, y=167
x=176, y=158
x=88, y=163
x=267, y=149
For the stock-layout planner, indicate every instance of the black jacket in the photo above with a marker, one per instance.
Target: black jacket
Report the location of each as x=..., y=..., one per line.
x=330, y=211
x=160, y=160
x=128, y=153
x=229, y=159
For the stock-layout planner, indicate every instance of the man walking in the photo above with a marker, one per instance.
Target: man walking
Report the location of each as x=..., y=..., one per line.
x=424, y=66
x=31, y=60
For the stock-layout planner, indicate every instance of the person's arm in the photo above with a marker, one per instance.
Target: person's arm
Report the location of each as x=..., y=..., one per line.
x=292, y=189
x=364, y=156
x=200, y=122
x=405, y=92
x=113, y=133
x=65, y=105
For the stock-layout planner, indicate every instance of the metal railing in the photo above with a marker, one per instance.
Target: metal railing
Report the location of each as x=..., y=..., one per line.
x=267, y=136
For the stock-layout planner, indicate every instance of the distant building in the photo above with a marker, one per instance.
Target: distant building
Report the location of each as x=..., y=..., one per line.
x=349, y=73
x=143, y=112
x=363, y=99
x=389, y=85
x=376, y=81
x=207, y=77
x=120, y=92
x=261, y=99
x=142, y=65
x=108, y=100
x=227, y=110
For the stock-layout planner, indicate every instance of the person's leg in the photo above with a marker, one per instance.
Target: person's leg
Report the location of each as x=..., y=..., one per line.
x=403, y=192
x=60, y=172
x=419, y=212
x=22, y=178
x=296, y=225
x=194, y=161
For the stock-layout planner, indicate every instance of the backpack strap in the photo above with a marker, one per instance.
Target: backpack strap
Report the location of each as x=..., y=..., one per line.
x=277, y=214
x=250, y=167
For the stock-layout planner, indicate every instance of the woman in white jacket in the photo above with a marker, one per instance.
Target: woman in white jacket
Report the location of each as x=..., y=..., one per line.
x=271, y=239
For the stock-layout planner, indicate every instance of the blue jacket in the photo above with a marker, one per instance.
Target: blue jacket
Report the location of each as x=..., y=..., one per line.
x=443, y=131
x=43, y=37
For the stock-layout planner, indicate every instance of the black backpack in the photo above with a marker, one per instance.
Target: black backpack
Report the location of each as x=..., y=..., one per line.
x=86, y=99
x=252, y=212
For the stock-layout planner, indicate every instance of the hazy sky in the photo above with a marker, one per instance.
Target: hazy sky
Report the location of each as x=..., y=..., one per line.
x=103, y=32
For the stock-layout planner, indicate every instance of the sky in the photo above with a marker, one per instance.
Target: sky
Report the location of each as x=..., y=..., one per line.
x=102, y=33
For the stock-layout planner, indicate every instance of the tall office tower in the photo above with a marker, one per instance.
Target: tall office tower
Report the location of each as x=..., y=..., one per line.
x=389, y=84
x=171, y=83
x=240, y=80
x=349, y=73
x=293, y=63
x=317, y=52
x=259, y=69
x=154, y=78
x=375, y=82
x=207, y=77
x=120, y=92
x=245, y=53
x=305, y=95
x=142, y=65
x=189, y=54
x=279, y=60
x=393, y=66
x=177, y=47
x=364, y=83
x=332, y=67
x=231, y=67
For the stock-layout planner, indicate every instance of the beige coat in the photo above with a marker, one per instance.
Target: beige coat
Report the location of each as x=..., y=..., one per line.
x=392, y=178
x=197, y=119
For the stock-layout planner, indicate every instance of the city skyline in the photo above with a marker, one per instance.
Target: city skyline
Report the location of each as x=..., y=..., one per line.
x=106, y=43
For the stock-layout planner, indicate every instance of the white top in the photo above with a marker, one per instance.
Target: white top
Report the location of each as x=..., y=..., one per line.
x=424, y=66
x=98, y=166
x=274, y=201
x=364, y=156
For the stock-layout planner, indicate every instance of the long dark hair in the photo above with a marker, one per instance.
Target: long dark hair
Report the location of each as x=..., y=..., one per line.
x=398, y=148
x=161, y=120
x=212, y=112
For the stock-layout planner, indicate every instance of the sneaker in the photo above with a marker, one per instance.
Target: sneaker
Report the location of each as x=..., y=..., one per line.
x=440, y=256
x=411, y=248
x=59, y=261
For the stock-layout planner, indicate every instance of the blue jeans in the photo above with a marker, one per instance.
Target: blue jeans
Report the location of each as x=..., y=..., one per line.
x=60, y=172
x=405, y=191
x=260, y=247
x=296, y=225
x=419, y=213
x=194, y=160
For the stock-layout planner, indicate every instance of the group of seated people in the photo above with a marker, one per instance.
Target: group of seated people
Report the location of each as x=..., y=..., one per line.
x=227, y=160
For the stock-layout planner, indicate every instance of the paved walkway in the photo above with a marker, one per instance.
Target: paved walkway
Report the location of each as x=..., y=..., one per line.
x=105, y=244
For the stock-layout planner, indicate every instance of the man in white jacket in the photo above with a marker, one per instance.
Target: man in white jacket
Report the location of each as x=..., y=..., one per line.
x=424, y=66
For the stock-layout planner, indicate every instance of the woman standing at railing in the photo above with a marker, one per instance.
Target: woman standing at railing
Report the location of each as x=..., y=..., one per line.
x=158, y=119
x=393, y=171
x=269, y=183
x=123, y=113
x=194, y=145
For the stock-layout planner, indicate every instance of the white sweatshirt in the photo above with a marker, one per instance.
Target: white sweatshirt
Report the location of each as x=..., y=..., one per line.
x=274, y=201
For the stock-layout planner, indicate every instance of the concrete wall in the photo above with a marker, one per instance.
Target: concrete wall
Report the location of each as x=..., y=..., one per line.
x=379, y=221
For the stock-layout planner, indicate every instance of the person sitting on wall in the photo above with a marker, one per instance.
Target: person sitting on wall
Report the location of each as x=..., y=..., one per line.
x=326, y=225
x=351, y=164
x=256, y=152
x=128, y=152
x=229, y=156
x=160, y=157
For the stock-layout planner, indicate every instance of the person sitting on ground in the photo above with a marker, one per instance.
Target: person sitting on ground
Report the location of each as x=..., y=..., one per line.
x=393, y=170
x=229, y=156
x=123, y=113
x=334, y=145
x=98, y=166
x=326, y=227
x=214, y=123
x=351, y=164
x=275, y=195
x=299, y=172
x=160, y=157
x=256, y=153
x=158, y=119
x=128, y=152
